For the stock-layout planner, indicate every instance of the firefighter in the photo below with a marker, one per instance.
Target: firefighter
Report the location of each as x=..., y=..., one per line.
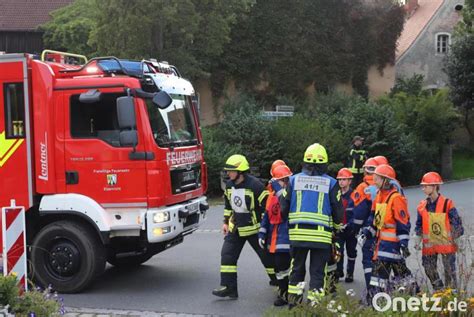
x=439, y=224
x=244, y=198
x=391, y=229
x=362, y=197
x=273, y=234
x=347, y=236
x=312, y=202
x=357, y=157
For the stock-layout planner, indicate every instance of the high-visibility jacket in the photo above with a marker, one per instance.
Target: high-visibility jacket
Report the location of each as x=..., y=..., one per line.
x=314, y=208
x=436, y=227
x=244, y=205
x=363, y=196
x=391, y=224
x=273, y=228
x=356, y=160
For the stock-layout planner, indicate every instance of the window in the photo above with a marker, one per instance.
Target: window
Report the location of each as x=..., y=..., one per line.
x=96, y=120
x=443, y=40
x=14, y=110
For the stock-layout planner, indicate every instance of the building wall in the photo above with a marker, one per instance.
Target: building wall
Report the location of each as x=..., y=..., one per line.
x=421, y=56
x=21, y=42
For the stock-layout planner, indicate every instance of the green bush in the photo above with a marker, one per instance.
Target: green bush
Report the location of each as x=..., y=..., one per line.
x=40, y=302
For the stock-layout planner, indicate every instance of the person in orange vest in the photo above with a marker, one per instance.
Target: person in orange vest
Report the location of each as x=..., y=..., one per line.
x=273, y=234
x=347, y=236
x=391, y=229
x=438, y=225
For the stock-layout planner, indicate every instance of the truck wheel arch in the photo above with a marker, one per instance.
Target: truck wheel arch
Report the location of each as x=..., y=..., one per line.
x=76, y=206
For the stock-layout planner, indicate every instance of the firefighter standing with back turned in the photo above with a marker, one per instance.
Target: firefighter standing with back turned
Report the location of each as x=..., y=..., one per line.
x=438, y=225
x=245, y=199
x=312, y=202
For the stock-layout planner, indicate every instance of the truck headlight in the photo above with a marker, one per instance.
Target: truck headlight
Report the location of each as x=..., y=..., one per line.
x=161, y=216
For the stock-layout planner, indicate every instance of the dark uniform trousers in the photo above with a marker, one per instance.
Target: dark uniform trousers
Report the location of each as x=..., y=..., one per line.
x=282, y=267
x=317, y=266
x=381, y=272
x=430, y=263
x=347, y=240
x=230, y=253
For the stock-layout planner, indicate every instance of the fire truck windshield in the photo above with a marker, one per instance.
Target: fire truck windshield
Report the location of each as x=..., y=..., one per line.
x=173, y=126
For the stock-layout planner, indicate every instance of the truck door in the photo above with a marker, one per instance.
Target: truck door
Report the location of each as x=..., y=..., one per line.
x=15, y=150
x=96, y=163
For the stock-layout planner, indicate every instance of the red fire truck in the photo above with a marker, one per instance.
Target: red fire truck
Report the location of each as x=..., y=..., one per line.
x=105, y=154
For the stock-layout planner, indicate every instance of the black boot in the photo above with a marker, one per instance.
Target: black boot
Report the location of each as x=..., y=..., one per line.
x=273, y=282
x=282, y=299
x=226, y=291
x=338, y=275
x=349, y=278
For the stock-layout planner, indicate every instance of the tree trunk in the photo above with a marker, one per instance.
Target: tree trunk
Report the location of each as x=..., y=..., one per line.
x=447, y=160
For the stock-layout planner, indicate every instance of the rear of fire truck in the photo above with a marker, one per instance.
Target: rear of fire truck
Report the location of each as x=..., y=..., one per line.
x=106, y=157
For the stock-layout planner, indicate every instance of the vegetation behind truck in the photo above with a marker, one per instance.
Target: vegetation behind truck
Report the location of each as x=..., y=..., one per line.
x=106, y=157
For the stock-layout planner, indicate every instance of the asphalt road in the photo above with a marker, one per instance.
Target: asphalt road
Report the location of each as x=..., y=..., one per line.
x=180, y=279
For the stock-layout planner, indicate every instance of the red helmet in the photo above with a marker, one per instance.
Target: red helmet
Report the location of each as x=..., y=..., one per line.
x=431, y=178
x=344, y=173
x=281, y=171
x=276, y=164
x=370, y=162
x=386, y=171
x=381, y=159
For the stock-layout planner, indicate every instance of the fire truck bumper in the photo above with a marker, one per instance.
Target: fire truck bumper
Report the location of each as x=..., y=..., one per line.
x=166, y=223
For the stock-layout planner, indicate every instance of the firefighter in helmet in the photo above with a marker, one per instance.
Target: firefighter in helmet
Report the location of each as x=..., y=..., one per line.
x=357, y=157
x=438, y=225
x=391, y=229
x=244, y=198
x=312, y=202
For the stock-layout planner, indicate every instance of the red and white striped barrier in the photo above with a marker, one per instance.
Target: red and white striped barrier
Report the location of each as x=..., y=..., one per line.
x=14, y=243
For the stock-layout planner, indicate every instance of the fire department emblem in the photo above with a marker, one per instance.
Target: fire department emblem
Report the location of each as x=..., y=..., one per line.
x=111, y=179
x=436, y=229
x=378, y=219
x=238, y=201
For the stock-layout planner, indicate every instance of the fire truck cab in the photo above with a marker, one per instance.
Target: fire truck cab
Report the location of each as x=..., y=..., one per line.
x=105, y=155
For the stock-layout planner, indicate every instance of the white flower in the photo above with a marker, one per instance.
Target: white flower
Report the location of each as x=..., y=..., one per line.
x=339, y=308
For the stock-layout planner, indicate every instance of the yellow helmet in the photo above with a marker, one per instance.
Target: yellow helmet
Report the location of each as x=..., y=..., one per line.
x=237, y=162
x=315, y=153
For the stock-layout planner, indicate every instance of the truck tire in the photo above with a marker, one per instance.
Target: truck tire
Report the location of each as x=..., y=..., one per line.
x=67, y=255
x=133, y=260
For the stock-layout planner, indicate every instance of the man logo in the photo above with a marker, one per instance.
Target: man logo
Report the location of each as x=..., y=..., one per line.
x=111, y=179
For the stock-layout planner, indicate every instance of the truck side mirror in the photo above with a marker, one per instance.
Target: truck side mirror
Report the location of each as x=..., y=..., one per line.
x=90, y=96
x=128, y=138
x=126, y=113
x=162, y=99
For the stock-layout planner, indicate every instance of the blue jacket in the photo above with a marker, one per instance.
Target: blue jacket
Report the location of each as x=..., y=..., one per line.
x=268, y=230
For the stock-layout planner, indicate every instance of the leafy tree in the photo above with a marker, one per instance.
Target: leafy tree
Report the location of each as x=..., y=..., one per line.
x=460, y=67
x=412, y=86
x=188, y=33
x=71, y=27
x=282, y=47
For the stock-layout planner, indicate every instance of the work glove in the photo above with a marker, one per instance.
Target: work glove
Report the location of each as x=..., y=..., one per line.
x=417, y=242
x=361, y=239
x=276, y=186
x=404, y=251
x=368, y=232
x=261, y=243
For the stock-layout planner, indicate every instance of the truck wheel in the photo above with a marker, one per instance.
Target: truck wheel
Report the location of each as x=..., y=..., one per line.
x=128, y=261
x=67, y=256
